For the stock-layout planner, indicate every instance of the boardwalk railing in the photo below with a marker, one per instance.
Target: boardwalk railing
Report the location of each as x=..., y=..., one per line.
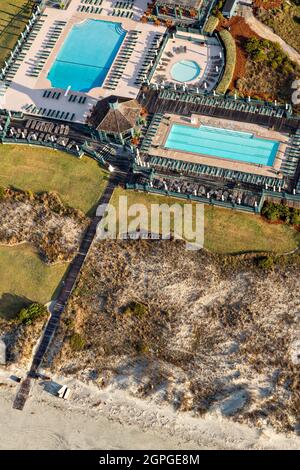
x=191, y=197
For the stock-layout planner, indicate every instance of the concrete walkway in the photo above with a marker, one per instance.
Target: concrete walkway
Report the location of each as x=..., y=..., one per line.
x=265, y=32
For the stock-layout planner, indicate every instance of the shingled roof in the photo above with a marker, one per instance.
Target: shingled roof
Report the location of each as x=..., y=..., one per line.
x=114, y=114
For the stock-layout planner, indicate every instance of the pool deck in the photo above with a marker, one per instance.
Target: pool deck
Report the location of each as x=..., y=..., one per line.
x=158, y=143
x=201, y=54
x=25, y=90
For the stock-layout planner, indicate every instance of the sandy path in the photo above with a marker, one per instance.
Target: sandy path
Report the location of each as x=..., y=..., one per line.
x=112, y=419
x=265, y=32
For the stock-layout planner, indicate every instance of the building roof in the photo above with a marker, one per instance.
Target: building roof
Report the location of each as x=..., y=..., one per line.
x=115, y=114
x=181, y=3
x=229, y=5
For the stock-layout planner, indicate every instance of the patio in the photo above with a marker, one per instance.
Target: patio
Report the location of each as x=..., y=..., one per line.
x=206, y=53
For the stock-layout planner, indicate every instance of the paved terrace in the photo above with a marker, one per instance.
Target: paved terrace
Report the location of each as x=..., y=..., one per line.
x=157, y=148
x=206, y=52
x=28, y=84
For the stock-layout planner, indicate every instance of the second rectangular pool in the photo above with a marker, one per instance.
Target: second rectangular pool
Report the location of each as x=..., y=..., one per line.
x=222, y=143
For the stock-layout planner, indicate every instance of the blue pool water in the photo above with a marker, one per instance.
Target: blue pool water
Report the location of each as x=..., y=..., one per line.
x=86, y=55
x=223, y=143
x=185, y=71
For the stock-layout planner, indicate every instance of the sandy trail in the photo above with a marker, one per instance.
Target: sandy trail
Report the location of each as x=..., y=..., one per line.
x=265, y=32
x=112, y=419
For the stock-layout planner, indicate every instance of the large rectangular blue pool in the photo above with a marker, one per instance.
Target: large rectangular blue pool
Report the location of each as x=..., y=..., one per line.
x=86, y=55
x=222, y=143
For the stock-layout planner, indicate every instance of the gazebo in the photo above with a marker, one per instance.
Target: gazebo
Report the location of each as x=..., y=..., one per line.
x=115, y=119
x=179, y=9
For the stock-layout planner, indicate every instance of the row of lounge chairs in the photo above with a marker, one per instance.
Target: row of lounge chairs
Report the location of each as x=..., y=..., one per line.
x=92, y=2
x=151, y=132
x=291, y=159
x=73, y=98
x=89, y=9
x=47, y=126
x=149, y=58
x=224, y=194
x=44, y=138
x=47, y=47
x=201, y=169
x=52, y=94
x=121, y=60
x=14, y=63
x=122, y=13
x=51, y=113
x=124, y=5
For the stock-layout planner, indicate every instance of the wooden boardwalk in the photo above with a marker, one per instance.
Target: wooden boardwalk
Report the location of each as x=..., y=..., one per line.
x=66, y=290
x=155, y=104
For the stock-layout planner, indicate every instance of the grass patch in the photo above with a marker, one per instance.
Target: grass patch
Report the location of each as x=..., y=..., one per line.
x=77, y=342
x=228, y=231
x=26, y=279
x=230, y=48
x=79, y=182
x=13, y=18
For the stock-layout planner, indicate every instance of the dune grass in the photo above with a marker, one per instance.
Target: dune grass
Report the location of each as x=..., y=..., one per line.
x=226, y=230
x=26, y=278
x=13, y=18
x=79, y=182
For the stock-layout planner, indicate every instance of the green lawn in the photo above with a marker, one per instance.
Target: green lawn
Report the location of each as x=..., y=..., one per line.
x=13, y=18
x=24, y=276
x=229, y=231
x=79, y=182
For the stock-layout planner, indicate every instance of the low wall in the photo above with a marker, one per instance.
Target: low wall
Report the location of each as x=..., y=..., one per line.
x=291, y=200
x=191, y=197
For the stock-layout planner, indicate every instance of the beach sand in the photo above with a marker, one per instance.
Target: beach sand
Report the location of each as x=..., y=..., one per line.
x=111, y=419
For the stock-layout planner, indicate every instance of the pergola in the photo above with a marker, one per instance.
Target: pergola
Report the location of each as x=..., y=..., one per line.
x=187, y=9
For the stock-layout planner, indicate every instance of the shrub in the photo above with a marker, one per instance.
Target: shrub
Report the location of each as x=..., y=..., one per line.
x=271, y=211
x=266, y=262
x=286, y=214
x=31, y=313
x=136, y=309
x=230, y=49
x=141, y=347
x=77, y=343
x=211, y=24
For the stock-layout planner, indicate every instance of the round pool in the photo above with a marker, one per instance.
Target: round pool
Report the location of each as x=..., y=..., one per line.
x=185, y=71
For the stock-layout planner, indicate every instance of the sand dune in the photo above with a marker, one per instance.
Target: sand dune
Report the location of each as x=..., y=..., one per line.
x=111, y=419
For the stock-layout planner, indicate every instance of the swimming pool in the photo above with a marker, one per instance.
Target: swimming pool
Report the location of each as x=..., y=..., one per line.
x=185, y=71
x=86, y=55
x=222, y=143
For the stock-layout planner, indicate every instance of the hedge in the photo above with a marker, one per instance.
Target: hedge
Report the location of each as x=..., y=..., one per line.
x=211, y=24
x=230, y=50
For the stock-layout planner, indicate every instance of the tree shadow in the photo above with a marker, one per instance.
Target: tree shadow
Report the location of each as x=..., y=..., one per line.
x=11, y=304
